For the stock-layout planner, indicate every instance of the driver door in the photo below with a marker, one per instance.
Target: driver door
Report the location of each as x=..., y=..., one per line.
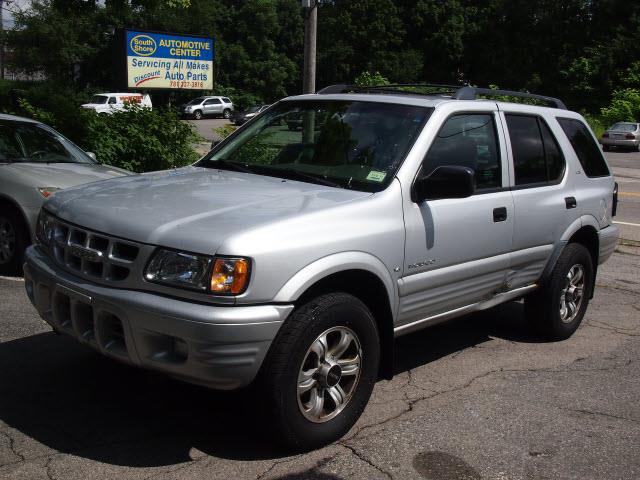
x=457, y=249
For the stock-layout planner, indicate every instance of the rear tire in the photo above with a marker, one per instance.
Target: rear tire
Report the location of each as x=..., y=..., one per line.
x=300, y=371
x=197, y=115
x=557, y=309
x=606, y=148
x=227, y=113
x=14, y=239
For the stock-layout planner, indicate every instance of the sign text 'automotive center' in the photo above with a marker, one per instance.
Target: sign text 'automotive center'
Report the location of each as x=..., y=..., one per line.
x=158, y=60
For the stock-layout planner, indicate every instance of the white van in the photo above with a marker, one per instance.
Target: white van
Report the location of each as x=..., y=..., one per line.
x=111, y=102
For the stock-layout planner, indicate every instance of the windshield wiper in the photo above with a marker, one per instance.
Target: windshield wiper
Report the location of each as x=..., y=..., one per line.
x=227, y=165
x=299, y=175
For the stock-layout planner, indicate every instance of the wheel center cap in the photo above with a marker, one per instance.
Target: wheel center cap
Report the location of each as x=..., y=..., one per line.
x=330, y=375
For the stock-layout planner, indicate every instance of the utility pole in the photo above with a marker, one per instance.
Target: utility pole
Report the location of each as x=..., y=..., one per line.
x=2, y=3
x=310, y=33
x=309, y=80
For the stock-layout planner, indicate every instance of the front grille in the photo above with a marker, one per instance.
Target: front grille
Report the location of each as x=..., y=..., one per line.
x=93, y=255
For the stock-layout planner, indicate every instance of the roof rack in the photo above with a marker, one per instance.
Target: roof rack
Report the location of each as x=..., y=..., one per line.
x=457, y=92
x=472, y=93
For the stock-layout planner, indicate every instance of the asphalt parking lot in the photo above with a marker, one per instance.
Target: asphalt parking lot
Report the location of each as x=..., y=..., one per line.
x=476, y=398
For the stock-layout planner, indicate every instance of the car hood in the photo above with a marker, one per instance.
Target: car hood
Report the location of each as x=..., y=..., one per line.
x=191, y=209
x=62, y=175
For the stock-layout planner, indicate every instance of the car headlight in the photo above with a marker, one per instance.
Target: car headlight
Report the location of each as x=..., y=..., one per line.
x=199, y=272
x=44, y=228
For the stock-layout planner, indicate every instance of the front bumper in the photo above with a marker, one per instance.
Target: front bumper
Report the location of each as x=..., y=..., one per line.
x=219, y=347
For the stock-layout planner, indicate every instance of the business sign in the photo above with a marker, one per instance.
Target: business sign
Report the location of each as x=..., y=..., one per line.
x=159, y=60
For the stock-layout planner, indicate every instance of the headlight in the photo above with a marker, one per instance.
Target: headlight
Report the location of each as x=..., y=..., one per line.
x=44, y=228
x=198, y=272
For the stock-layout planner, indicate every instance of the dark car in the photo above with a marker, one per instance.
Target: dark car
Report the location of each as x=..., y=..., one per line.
x=240, y=118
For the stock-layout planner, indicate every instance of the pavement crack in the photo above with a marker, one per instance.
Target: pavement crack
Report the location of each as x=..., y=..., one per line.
x=599, y=414
x=358, y=455
x=12, y=447
x=611, y=328
x=274, y=465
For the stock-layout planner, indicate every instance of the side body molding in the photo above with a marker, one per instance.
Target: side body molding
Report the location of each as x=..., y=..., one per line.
x=336, y=263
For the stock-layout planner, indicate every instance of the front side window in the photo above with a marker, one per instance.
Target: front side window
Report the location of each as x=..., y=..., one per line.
x=213, y=101
x=349, y=144
x=99, y=99
x=20, y=142
x=586, y=148
x=537, y=158
x=468, y=140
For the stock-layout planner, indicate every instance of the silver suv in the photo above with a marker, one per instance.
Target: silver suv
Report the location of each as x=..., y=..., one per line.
x=291, y=259
x=208, y=106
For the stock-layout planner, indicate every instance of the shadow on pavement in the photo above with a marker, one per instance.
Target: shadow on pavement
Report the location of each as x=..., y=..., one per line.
x=71, y=399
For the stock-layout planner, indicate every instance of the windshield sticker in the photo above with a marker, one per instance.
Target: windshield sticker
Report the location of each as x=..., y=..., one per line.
x=376, y=176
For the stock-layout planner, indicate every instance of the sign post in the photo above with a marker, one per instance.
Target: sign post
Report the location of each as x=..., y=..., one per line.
x=172, y=62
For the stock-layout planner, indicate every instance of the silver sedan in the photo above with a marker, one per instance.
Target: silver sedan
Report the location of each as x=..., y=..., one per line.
x=621, y=135
x=35, y=162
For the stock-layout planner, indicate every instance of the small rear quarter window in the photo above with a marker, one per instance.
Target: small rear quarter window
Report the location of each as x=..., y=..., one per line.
x=586, y=148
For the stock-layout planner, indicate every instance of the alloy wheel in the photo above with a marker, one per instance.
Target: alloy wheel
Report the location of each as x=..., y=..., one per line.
x=329, y=374
x=572, y=294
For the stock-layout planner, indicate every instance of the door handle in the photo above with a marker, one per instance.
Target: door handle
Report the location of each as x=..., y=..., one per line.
x=500, y=214
x=570, y=202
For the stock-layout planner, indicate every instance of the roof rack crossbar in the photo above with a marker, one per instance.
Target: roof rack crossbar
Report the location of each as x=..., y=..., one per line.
x=393, y=88
x=456, y=92
x=472, y=93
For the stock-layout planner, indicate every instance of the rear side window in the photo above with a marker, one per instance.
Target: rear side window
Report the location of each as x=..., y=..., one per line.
x=226, y=100
x=468, y=140
x=585, y=147
x=537, y=158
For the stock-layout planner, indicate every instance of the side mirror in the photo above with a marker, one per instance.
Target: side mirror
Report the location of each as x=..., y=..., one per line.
x=215, y=143
x=450, y=181
x=92, y=155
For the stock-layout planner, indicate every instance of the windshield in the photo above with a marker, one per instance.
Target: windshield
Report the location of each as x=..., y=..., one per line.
x=253, y=109
x=196, y=101
x=348, y=144
x=99, y=99
x=624, y=127
x=25, y=142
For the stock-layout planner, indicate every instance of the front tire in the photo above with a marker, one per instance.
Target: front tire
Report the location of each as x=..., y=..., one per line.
x=321, y=370
x=557, y=309
x=197, y=115
x=606, y=148
x=14, y=239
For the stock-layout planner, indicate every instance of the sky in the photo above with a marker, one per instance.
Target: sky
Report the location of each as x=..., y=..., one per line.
x=11, y=6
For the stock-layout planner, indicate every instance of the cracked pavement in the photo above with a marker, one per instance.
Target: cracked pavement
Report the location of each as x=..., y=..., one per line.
x=476, y=398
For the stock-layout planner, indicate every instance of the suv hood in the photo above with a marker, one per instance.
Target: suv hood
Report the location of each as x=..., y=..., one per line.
x=192, y=208
x=63, y=175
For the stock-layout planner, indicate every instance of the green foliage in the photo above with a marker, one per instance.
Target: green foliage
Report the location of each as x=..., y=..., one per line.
x=241, y=98
x=596, y=123
x=368, y=79
x=624, y=107
x=37, y=114
x=224, y=131
x=141, y=140
x=577, y=50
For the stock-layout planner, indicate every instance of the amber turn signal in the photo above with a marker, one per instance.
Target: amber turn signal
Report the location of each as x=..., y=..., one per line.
x=229, y=275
